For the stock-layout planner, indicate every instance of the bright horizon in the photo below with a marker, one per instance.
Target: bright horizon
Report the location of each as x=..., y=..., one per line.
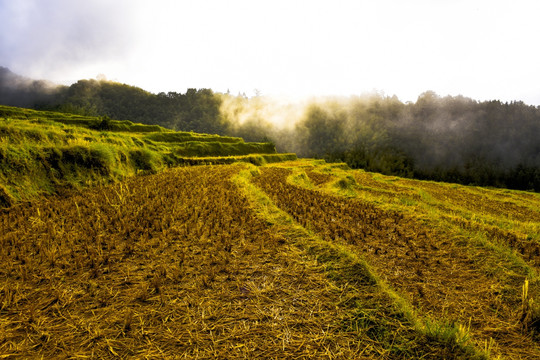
x=485, y=50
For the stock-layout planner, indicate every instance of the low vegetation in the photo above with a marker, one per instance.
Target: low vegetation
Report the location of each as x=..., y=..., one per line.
x=467, y=255
x=179, y=264
x=47, y=152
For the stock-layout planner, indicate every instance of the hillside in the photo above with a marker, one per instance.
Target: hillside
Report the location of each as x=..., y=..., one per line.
x=298, y=259
x=47, y=152
x=442, y=138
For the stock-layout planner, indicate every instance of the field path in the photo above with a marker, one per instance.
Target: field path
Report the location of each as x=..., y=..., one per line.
x=427, y=266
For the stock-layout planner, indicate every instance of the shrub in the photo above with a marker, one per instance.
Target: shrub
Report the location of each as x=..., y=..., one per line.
x=144, y=159
x=347, y=182
x=95, y=157
x=6, y=200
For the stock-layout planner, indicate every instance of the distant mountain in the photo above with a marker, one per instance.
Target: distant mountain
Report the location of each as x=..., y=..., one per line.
x=17, y=90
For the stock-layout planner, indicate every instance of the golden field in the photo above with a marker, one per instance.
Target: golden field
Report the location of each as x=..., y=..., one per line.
x=298, y=259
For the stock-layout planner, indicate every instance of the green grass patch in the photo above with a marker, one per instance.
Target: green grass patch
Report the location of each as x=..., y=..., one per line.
x=181, y=136
x=42, y=152
x=215, y=148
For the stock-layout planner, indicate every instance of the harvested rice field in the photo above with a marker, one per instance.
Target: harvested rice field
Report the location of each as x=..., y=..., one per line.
x=295, y=260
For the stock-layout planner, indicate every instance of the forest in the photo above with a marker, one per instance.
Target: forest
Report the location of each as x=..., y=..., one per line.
x=443, y=138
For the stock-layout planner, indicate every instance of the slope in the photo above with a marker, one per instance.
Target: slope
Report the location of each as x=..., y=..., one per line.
x=47, y=152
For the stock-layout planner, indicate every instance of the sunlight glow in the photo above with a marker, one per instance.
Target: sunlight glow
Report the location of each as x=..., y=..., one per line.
x=482, y=49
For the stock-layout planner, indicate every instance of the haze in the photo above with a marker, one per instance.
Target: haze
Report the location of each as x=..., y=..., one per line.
x=481, y=49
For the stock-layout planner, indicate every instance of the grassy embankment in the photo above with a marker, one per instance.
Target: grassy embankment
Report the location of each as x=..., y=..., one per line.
x=42, y=152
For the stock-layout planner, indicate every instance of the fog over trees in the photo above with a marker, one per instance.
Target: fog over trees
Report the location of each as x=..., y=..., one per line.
x=446, y=138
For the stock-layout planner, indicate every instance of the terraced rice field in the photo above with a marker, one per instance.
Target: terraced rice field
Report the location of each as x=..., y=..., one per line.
x=294, y=260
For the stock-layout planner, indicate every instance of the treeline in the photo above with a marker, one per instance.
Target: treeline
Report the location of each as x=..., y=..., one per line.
x=454, y=139
x=196, y=110
x=19, y=91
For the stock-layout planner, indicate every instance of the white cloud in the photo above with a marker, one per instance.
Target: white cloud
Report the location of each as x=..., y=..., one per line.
x=482, y=49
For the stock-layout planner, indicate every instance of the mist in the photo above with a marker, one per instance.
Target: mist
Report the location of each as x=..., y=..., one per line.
x=20, y=91
x=451, y=138
x=61, y=39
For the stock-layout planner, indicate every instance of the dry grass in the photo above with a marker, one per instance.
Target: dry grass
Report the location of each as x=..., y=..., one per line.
x=191, y=264
x=436, y=271
x=379, y=313
x=174, y=265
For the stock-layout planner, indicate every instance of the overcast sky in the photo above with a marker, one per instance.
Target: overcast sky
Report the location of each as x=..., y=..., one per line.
x=486, y=49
